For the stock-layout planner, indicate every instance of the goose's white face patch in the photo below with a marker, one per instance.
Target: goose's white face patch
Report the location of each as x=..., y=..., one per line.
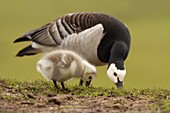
x=114, y=74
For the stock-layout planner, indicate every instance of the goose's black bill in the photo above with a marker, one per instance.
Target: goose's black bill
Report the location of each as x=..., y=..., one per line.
x=119, y=84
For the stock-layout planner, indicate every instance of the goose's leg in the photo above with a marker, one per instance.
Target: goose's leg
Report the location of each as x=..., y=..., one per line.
x=55, y=84
x=81, y=82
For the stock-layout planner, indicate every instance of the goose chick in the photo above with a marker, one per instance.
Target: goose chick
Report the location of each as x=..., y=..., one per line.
x=61, y=65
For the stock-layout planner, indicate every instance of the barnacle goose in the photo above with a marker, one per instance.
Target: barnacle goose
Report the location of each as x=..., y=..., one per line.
x=61, y=65
x=100, y=38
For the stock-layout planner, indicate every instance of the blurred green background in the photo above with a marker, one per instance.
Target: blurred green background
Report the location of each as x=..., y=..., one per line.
x=148, y=64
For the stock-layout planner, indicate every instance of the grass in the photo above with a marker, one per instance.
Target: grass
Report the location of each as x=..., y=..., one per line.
x=30, y=91
x=147, y=64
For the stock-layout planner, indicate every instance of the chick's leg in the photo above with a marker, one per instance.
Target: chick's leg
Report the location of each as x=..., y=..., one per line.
x=63, y=86
x=81, y=82
x=55, y=84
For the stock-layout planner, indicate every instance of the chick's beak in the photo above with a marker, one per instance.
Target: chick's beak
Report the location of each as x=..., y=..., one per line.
x=87, y=83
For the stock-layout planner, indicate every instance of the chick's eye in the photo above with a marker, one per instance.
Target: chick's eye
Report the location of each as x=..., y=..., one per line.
x=115, y=74
x=90, y=77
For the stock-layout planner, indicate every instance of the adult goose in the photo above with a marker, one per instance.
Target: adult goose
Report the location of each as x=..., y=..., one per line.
x=100, y=38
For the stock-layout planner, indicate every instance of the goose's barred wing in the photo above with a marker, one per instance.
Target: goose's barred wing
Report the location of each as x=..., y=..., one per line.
x=78, y=22
x=53, y=33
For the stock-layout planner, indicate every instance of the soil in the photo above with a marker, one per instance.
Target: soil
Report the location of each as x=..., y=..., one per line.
x=77, y=104
x=14, y=100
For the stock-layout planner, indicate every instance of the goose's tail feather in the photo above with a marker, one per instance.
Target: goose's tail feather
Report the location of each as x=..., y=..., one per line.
x=25, y=37
x=21, y=39
x=29, y=50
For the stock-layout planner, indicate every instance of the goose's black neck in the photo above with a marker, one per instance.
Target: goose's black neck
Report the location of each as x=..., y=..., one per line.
x=118, y=54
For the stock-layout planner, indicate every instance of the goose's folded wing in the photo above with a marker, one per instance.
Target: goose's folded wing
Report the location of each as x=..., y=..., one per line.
x=53, y=33
x=84, y=38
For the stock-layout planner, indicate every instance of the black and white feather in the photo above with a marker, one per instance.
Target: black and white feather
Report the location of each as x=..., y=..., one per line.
x=99, y=38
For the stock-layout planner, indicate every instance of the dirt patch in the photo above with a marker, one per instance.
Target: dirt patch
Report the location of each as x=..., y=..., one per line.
x=14, y=98
x=71, y=103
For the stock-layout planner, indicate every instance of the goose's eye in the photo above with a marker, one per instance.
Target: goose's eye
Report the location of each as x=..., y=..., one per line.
x=115, y=74
x=90, y=77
